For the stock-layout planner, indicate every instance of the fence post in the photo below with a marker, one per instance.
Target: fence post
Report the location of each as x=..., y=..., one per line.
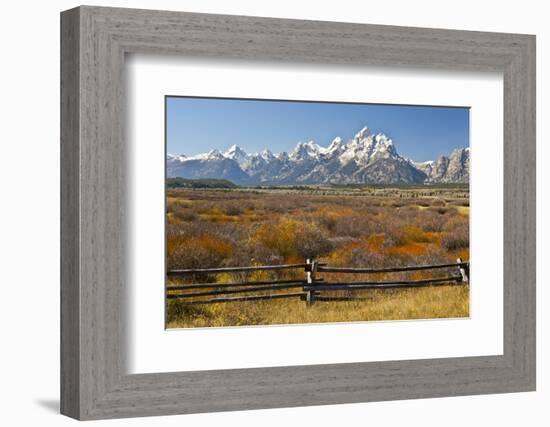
x=462, y=270
x=311, y=269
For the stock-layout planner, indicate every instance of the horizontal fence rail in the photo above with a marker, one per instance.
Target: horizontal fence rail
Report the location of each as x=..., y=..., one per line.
x=387, y=270
x=235, y=269
x=233, y=284
x=383, y=285
x=312, y=287
x=248, y=298
x=237, y=291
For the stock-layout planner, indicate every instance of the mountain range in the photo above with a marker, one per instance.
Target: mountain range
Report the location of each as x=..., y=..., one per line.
x=366, y=158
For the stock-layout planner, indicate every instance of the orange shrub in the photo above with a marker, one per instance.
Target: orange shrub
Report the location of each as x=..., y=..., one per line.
x=415, y=234
x=408, y=249
x=197, y=251
x=292, y=238
x=375, y=242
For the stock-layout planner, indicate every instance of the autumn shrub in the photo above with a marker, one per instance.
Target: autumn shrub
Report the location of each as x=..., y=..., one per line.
x=443, y=210
x=289, y=237
x=232, y=232
x=433, y=255
x=278, y=237
x=454, y=222
x=409, y=249
x=459, y=238
x=202, y=207
x=375, y=242
x=408, y=212
x=416, y=234
x=395, y=235
x=397, y=204
x=185, y=215
x=312, y=242
x=431, y=221
x=328, y=221
x=252, y=252
x=197, y=251
x=358, y=225
x=371, y=210
x=359, y=257
x=232, y=209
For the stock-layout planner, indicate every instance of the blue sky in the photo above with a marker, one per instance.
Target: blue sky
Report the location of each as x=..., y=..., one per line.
x=197, y=125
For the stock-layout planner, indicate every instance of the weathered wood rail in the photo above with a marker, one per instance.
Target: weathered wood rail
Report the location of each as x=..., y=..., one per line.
x=312, y=288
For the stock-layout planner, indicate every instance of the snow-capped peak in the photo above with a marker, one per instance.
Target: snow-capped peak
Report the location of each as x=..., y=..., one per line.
x=366, y=147
x=363, y=140
x=176, y=157
x=363, y=133
x=305, y=150
x=267, y=155
x=236, y=153
x=335, y=142
x=382, y=139
x=336, y=145
x=211, y=155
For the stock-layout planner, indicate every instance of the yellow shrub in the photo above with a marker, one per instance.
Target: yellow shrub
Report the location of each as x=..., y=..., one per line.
x=375, y=242
x=293, y=239
x=416, y=234
x=280, y=237
x=409, y=249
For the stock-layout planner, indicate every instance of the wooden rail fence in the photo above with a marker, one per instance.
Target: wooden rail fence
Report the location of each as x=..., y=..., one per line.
x=311, y=289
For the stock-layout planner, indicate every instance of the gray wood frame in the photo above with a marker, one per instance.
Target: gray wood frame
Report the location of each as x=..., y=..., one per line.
x=94, y=382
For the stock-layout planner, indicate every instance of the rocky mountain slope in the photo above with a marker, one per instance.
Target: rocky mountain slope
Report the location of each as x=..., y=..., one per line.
x=454, y=168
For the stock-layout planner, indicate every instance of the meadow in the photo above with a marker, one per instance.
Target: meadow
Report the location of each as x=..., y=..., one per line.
x=342, y=226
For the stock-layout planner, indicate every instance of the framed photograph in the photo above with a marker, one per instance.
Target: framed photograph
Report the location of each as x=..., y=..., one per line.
x=262, y=213
x=352, y=222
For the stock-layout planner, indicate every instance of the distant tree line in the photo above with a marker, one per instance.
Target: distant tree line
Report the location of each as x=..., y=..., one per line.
x=199, y=183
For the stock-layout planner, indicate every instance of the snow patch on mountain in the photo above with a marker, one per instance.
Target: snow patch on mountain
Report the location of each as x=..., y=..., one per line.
x=236, y=153
x=306, y=151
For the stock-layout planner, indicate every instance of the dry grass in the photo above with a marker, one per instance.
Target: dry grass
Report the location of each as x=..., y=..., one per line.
x=351, y=228
x=422, y=303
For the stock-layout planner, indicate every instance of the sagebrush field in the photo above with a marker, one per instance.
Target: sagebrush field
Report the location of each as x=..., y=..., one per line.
x=347, y=226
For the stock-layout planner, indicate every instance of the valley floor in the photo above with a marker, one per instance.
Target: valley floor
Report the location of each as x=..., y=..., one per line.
x=357, y=226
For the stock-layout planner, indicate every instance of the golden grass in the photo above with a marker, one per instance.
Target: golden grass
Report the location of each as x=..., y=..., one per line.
x=421, y=303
